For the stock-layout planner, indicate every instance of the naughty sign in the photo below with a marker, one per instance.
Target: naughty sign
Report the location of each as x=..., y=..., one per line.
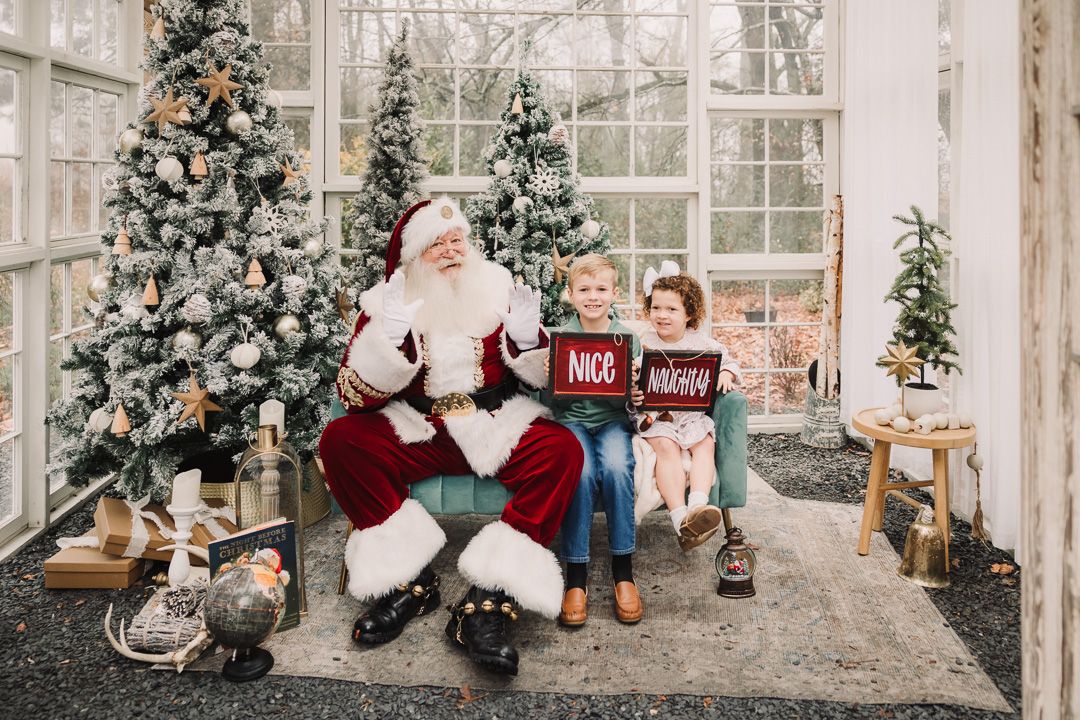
x=590, y=365
x=678, y=380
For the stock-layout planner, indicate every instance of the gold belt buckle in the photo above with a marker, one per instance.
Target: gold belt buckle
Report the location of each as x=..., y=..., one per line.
x=453, y=405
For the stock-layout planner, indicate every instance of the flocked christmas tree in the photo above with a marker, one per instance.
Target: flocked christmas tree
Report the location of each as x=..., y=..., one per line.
x=217, y=291
x=395, y=170
x=924, y=320
x=533, y=219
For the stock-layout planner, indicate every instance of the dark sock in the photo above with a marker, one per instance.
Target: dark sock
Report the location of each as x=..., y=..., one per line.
x=577, y=575
x=622, y=567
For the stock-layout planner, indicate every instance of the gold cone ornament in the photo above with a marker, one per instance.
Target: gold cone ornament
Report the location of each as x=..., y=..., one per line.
x=254, y=278
x=121, y=426
x=196, y=402
x=198, y=167
x=219, y=85
x=157, y=32
x=122, y=246
x=150, y=293
x=923, y=562
x=516, y=108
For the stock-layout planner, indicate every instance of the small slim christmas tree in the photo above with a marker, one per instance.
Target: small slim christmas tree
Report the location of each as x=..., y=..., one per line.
x=924, y=320
x=218, y=291
x=395, y=169
x=532, y=218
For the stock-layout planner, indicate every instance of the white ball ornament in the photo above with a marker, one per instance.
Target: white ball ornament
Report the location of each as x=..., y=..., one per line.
x=522, y=203
x=965, y=420
x=245, y=355
x=901, y=424
x=975, y=462
x=883, y=416
x=100, y=420
x=313, y=248
x=559, y=135
x=503, y=168
x=168, y=168
x=286, y=325
x=197, y=309
x=590, y=229
x=941, y=421
x=293, y=287
x=238, y=122
x=98, y=286
x=187, y=339
x=130, y=139
x=273, y=99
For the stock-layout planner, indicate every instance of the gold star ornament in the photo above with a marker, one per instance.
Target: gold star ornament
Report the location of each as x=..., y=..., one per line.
x=901, y=360
x=196, y=402
x=560, y=262
x=220, y=85
x=167, y=110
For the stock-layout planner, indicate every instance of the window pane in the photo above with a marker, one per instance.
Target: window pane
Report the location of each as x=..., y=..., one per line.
x=81, y=272
x=291, y=66
x=81, y=197
x=99, y=187
x=733, y=28
x=281, y=21
x=365, y=37
x=944, y=26
x=738, y=73
x=604, y=40
x=474, y=140
x=792, y=347
x=797, y=73
x=7, y=312
x=731, y=298
x=7, y=399
x=485, y=39
x=483, y=93
x=796, y=185
x=359, y=91
x=56, y=199
x=352, y=154
x=56, y=375
x=622, y=267
x=616, y=213
x=799, y=140
x=431, y=37
x=10, y=499
x=558, y=86
x=738, y=185
x=603, y=95
x=57, y=23
x=944, y=149
x=660, y=96
x=604, y=5
x=106, y=125
x=439, y=149
x=552, y=39
x=796, y=232
x=799, y=301
x=9, y=186
x=56, y=300
x=738, y=139
x=661, y=5
x=660, y=223
x=787, y=393
x=108, y=24
x=738, y=232
x=660, y=151
x=661, y=41
x=436, y=90
x=9, y=135
x=7, y=16
x=604, y=151
x=57, y=114
x=796, y=28
x=82, y=121
x=82, y=26
x=301, y=127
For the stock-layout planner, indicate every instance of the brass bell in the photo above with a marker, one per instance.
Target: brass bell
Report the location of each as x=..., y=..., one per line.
x=924, y=552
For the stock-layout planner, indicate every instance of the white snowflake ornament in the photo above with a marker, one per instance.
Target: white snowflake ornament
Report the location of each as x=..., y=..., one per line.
x=545, y=182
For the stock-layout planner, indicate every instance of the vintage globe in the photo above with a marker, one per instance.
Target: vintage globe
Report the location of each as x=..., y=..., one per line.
x=244, y=605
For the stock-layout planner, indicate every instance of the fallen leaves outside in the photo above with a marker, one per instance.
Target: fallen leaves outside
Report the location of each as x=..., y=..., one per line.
x=1002, y=568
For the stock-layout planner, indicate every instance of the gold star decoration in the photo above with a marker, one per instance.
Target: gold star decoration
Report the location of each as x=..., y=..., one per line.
x=561, y=262
x=291, y=175
x=166, y=110
x=220, y=85
x=195, y=402
x=345, y=306
x=901, y=360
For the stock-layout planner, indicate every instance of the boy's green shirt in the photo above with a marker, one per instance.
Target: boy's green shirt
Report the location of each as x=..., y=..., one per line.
x=592, y=413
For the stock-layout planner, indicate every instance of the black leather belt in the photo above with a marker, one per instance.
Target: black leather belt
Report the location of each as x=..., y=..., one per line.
x=466, y=404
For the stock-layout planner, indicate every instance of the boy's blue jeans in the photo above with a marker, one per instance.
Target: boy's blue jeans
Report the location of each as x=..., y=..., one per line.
x=608, y=474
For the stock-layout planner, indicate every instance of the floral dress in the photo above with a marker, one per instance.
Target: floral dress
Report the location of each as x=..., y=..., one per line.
x=687, y=428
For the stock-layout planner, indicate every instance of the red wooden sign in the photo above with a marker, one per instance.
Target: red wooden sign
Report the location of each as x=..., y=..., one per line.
x=590, y=365
x=678, y=380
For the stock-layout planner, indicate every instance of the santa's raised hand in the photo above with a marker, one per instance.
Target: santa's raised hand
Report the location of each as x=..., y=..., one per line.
x=397, y=316
x=522, y=322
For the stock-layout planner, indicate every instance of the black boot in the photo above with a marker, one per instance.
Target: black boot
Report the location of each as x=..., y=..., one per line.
x=385, y=619
x=478, y=625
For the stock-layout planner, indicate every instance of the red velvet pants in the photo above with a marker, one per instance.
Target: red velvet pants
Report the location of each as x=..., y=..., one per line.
x=369, y=470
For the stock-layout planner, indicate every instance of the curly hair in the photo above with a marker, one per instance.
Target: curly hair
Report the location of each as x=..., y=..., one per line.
x=689, y=291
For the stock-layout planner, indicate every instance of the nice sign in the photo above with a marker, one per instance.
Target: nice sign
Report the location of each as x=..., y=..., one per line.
x=590, y=365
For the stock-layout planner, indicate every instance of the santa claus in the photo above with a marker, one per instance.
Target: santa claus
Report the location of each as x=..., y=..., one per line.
x=433, y=381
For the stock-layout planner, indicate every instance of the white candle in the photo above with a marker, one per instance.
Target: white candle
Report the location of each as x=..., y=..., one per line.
x=185, y=490
x=272, y=412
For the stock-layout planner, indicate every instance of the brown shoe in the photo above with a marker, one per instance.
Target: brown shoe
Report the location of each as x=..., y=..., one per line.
x=700, y=524
x=575, y=607
x=628, y=607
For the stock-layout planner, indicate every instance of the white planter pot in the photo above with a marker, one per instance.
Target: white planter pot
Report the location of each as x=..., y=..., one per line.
x=921, y=399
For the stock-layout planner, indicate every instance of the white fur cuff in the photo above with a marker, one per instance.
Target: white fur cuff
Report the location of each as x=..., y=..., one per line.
x=377, y=362
x=502, y=558
x=528, y=365
x=382, y=556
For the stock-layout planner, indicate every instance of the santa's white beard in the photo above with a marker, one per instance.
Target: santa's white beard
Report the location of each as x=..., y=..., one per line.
x=465, y=304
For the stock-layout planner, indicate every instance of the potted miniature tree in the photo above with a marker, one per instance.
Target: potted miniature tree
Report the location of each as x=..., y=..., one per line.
x=924, y=320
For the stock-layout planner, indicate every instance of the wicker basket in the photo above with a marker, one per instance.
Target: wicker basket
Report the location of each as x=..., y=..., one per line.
x=314, y=496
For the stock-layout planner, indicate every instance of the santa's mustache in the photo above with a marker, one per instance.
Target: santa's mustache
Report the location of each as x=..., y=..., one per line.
x=447, y=262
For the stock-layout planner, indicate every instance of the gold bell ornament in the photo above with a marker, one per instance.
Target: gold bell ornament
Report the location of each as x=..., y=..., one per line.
x=923, y=562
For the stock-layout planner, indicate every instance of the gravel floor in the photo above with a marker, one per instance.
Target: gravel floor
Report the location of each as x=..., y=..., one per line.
x=56, y=663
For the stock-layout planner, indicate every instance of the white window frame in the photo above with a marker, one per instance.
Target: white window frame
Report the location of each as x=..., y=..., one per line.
x=21, y=483
x=22, y=100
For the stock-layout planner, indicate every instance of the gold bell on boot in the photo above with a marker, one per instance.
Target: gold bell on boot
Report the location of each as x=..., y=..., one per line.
x=924, y=552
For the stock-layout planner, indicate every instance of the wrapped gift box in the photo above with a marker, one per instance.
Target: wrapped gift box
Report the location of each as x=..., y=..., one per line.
x=91, y=569
x=112, y=520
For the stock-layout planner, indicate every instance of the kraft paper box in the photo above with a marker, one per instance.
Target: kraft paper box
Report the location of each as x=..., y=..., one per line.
x=87, y=568
x=112, y=520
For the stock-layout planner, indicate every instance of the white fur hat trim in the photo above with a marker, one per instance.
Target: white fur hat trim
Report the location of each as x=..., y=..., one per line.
x=427, y=224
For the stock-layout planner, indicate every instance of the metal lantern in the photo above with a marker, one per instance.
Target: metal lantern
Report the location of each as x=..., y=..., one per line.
x=735, y=564
x=267, y=486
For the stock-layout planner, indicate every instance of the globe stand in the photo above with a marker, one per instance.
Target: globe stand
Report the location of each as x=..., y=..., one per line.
x=247, y=664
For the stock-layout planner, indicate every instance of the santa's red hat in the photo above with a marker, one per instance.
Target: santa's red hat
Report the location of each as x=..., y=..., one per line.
x=419, y=227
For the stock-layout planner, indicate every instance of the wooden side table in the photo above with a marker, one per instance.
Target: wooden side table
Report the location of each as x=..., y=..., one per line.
x=938, y=441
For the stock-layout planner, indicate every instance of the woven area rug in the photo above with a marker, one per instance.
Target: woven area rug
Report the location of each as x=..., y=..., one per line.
x=826, y=624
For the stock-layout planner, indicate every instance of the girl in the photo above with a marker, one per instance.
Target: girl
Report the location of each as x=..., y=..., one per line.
x=675, y=307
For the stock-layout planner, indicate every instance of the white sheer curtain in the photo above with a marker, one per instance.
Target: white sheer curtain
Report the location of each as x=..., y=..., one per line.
x=889, y=163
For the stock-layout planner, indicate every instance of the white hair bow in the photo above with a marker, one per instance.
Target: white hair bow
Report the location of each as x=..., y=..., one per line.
x=668, y=268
